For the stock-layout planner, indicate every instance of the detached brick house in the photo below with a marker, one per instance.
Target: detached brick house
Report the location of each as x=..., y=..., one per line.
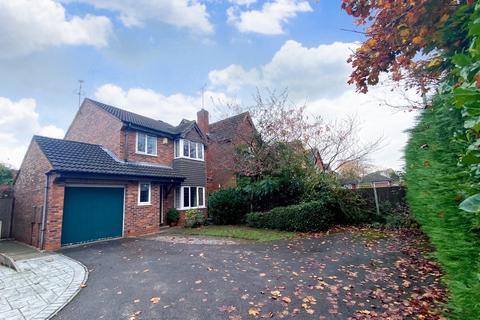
x=223, y=137
x=115, y=174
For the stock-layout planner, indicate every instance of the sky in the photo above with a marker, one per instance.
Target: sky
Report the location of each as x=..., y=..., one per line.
x=153, y=57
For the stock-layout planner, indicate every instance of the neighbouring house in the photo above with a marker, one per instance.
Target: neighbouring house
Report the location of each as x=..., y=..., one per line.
x=374, y=179
x=224, y=137
x=116, y=173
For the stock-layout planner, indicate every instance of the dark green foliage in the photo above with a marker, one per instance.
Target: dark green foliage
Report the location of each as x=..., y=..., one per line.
x=194, y=218
x=271, y=192
x=173, y=215
x=306, y=217
x=6, y=176
x=228, y=206
x=436, y=185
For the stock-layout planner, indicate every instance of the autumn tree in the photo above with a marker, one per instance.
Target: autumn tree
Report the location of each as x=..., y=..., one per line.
x=410, y=40
x=288, y=134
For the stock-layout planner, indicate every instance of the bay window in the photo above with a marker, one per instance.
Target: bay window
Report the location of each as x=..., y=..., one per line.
x=189, y=149
x=146, y=144
x=187, y=197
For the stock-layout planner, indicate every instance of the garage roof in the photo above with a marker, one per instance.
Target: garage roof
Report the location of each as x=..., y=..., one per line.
x=84, y=158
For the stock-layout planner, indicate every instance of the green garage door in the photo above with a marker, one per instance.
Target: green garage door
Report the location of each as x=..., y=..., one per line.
x=91, y=213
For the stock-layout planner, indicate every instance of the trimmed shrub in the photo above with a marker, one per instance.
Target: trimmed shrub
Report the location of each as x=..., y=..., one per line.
x=194, y=218
x=228, y=206
x=310, y=216
x=173, y=215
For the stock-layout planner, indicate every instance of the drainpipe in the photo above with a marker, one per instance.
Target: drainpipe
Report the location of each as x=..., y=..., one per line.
x=44, y=212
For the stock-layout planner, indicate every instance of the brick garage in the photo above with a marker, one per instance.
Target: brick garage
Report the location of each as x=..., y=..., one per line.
x=43, y=155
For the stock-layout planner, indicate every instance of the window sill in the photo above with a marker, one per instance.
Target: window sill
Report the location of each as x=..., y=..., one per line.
x=144, y=204
x=145, y=154
x=204, y=207
x=201, y=160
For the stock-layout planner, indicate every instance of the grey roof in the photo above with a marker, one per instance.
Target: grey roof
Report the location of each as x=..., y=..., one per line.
x=374, y=177
x=139, y=120
x=226, y=129
x=78, y=157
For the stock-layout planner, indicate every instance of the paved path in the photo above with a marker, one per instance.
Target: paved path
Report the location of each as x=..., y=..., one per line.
x=43, y=285
x=337, y=276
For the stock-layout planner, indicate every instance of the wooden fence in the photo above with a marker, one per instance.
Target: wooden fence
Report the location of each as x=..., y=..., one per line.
x=6, y=213
x=394, y=195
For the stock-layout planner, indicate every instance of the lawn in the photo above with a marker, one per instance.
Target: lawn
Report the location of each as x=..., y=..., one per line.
x=239, y=232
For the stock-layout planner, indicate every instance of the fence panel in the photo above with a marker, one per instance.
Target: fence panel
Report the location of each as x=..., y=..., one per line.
x=394, y=195
x=6, y=212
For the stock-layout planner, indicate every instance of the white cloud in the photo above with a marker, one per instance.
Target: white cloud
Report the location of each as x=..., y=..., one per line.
x=307, y=72
x=377, y=120
x=18, y=123
x=269, y=19
x=242, y=2
x=180, y=13
x=319, y=76
x=28, y=26
x=147, y=102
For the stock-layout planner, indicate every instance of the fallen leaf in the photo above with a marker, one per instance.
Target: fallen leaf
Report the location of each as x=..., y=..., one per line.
x=286, y=299
x=253, y=311
x=155, y=300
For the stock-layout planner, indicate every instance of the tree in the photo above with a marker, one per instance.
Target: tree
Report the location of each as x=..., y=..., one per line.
x=283, y=126
x=354, y=170
x=410, y=40
x=6, y=176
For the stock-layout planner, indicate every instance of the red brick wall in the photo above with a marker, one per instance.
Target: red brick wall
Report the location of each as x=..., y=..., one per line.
x=164, y=151
x=29, y=193
x=94, y=125
x=141, y=219
x=221, y=171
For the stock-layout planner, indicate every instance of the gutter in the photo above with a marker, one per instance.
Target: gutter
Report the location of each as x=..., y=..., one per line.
x=44, y=211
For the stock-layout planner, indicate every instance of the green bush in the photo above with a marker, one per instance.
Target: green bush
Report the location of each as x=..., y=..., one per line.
x=194, y=218
x=228, y=206
x=173, y=215
x=310, y=216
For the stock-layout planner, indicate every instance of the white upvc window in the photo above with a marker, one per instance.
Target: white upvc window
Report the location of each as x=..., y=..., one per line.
x=146, y=144
x=144, y=193
x=188, y=149
x=188, y=197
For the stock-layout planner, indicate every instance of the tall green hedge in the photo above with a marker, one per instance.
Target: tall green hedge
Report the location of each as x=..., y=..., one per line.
x=436, y=185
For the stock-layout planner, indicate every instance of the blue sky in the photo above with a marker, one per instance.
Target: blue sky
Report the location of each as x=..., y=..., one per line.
x=153, y=57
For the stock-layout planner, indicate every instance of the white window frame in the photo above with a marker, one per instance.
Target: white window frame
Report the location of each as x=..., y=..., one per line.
x=181, y=143
x=180, y=205
x=146, y=144
x=149, y=193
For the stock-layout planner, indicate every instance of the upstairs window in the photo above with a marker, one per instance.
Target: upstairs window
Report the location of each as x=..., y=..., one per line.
x=146, y=144
x=189, y=149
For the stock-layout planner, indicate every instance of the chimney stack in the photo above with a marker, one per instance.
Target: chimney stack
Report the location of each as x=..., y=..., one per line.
x=202, y=120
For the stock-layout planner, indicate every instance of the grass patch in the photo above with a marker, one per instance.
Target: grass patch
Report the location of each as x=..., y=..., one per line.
x=373, y=235
x=436, y=185
x=239, y=232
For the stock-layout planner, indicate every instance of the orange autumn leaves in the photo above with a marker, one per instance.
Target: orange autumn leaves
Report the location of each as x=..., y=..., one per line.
x=403, y=39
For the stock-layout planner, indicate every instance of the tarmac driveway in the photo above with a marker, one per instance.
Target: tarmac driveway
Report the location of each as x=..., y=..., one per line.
x=336, y=276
